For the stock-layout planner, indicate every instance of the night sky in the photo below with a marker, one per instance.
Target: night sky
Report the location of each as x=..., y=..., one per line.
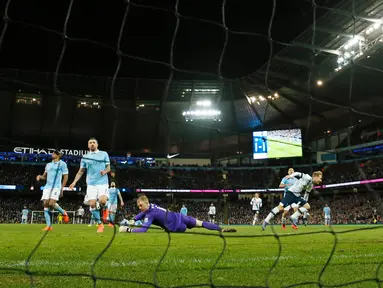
x=148, y=34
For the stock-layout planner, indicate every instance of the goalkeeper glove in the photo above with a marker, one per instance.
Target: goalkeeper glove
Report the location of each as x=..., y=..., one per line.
x=131, y=222
x=125, y=229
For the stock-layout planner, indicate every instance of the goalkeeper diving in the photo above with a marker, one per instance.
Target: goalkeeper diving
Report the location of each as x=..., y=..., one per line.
x=170, y=221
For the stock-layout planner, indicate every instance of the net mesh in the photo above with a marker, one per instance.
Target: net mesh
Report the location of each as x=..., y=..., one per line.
x=311, y=47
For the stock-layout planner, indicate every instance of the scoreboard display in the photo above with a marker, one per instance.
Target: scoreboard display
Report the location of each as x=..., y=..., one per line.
x=277, y=144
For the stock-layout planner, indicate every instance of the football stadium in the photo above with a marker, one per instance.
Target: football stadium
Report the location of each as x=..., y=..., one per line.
x=184, y=143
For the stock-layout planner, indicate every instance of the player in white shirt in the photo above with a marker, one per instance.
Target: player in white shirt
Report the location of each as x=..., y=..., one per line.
x=286, y=183
x=256, y=205
x=293, y=195
x=80, y=215
x=211, y=213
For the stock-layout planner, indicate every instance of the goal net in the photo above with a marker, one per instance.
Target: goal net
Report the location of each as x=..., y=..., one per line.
x=37, y=217
x=190, y=78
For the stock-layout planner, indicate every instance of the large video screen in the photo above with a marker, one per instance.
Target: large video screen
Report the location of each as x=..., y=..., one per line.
x=277, y=144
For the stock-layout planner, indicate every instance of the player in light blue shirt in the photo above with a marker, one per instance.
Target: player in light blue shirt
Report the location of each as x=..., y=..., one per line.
x=184, y=210
x=327, y=215
x=114, y=194
x=286, y=183
x=24, y=215
x=97, y=166
x=56, y=176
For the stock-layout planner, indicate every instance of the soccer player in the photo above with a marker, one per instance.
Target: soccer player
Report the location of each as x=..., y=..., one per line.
x=112, y=202
x=212, y=213
x=327, y=215
x=287, y=183
x=80, y=215
x=97, y=164
x=170, y=221
x=293, y=195
x=184, y=210
x=56, y=176
x=256, y=204
x=24, y=215
x=60, y=218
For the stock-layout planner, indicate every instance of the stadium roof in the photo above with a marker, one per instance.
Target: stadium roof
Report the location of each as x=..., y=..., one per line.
x=248, y=103
x=289, y=71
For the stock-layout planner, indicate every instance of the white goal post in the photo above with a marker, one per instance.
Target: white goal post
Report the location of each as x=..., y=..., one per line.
x=38, y=217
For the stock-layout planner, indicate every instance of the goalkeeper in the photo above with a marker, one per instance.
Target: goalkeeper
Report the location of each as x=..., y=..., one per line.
x=170, y=221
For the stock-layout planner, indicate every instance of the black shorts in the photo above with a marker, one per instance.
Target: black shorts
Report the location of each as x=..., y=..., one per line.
x=211, y=216
x=256, y=211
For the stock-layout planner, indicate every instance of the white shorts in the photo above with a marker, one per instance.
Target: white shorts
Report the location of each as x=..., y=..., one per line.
x=51, y=193
x=24, y=218
x=294, y=205
x=327, y=217
x=112, y=207
x=93, y=192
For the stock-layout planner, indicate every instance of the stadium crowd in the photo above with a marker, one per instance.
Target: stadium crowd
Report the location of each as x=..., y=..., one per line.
x=201, y=177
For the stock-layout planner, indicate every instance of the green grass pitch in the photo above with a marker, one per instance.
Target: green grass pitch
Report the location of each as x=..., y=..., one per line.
x=246, y=261
x=277, y=149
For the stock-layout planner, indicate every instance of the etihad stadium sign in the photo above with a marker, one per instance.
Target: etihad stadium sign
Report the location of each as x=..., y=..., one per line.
x=31, y=150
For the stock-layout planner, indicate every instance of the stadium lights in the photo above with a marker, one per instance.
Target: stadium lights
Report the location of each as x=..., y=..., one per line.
x=359, y=44
x=206, y=90
x=209, y=114
x=88, y=104
x=319, y=83
x=205, y=103
x=202, y=113
x=257, y=99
